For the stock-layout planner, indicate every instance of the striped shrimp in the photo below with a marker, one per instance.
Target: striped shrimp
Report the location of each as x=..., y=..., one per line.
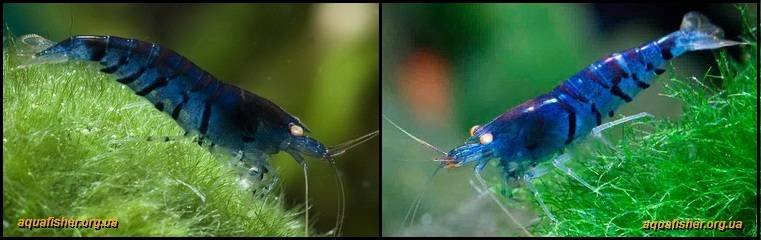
x=540, y=128
x=223, y=117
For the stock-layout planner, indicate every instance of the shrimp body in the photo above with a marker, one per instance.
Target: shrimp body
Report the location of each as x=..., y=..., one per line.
x=225, y=118
x=543, y=126
x=231, y=119
x=546, y=124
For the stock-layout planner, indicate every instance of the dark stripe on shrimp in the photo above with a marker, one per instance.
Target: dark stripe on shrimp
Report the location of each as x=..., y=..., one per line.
x=159, y=83
x=619, y=73
x=620, y=67
x=132, y=77
x=571, y=121
x=564, y=89
x=152, y=55
x=625, y=75
x=113, y=68
x=598, y=115
x=164, y=81
x=205, y=80
x=649, y=67
x=142, y=48
x=218, y=88
x=131, y=45
x=151, y=58
x=665, y=47
x=205, y=118
x=616, y=81
x=615, y=90
x=186, y=65
x=659, y=71
x=106, y=47
x=634, y=55
x=595, y=78
x=163, y=54
x=640, y=83
x=666, y=54
x=178, y=107
x=97, y=48
x=159, y=106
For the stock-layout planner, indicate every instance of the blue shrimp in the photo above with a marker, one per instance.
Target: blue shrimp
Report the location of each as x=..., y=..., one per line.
x=225, y=118
x=538, y=128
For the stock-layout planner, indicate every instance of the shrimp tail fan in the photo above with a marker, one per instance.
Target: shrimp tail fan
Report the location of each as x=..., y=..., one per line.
x=699, y=34
x=28, y=47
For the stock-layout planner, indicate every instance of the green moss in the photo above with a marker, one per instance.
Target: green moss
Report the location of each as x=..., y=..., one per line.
x=71, y=149
x=699, y=167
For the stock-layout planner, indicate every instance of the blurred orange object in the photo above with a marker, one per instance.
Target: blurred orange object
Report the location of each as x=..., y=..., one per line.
x=424, y=85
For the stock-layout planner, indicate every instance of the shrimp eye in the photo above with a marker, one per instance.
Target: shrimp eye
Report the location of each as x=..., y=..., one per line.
x=474, y=129
x=486, y=138
x=296, y=130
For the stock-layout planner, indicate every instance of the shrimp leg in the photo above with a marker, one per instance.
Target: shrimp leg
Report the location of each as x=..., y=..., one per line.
x=531, y=174
x=481, y=165
x=261, y=183
x=559, y=162
x=496, y=200
x=597, y=130
x=255, y=167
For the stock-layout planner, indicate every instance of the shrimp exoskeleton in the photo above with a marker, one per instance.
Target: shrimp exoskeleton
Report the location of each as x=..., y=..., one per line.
x=542, y=127
x=223, y=117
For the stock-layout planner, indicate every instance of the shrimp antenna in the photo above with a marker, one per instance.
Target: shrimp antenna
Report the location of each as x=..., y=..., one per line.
x=341, y=202
x=410, y=216
x=306, y=199
x=341, y=148
x=413, y=136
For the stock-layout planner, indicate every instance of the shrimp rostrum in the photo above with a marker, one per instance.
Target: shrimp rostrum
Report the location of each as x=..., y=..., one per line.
x=223, y=117
x=542, y=127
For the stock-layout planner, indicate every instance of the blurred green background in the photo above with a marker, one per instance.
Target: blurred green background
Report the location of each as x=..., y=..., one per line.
x=317, y=61
x=447, y=67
